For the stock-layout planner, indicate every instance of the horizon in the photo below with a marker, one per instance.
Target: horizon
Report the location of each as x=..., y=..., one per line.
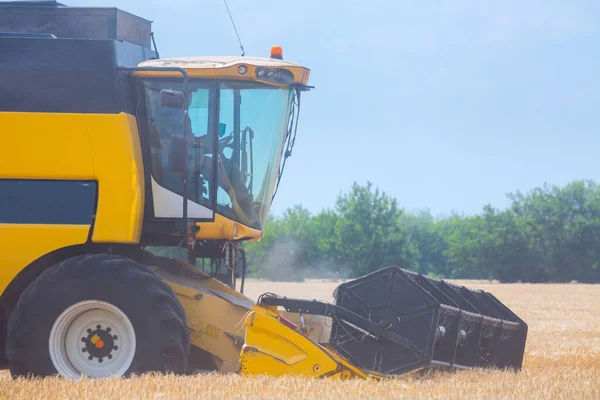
x=436, y=216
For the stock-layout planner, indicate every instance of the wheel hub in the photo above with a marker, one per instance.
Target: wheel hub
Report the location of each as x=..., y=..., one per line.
x=92, y=338
x=100, y=343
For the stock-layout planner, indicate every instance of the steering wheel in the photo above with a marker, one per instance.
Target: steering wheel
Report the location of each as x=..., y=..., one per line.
x=225, y=142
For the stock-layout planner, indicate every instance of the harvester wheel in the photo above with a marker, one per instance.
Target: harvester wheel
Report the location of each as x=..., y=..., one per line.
x=97, y=315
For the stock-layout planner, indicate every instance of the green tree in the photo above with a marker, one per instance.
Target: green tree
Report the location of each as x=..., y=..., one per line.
x=368, y=233
x=548, y=234
x=427, y=236
x=564, y=227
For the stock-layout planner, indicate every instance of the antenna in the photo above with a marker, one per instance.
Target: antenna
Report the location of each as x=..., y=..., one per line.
x=234, y=28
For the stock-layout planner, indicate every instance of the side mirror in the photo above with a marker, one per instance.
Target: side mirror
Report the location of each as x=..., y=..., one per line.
x=178, y=154
x=171, y=99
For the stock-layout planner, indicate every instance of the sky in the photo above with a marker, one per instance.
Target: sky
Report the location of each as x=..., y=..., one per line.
x=444, y=105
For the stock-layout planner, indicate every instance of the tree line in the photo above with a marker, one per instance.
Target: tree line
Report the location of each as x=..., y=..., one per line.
x=549, y=234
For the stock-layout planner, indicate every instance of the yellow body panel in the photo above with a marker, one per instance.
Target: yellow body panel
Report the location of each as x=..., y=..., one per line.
x=58, y=146
x=119, y=169
x=225, y=228
x=20, y=245
x=215, y=315
x=45, y=146
x=249, y=339
x=103, y=147
x=273, y=348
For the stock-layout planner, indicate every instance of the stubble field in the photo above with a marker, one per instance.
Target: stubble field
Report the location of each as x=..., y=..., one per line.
x=562, y=360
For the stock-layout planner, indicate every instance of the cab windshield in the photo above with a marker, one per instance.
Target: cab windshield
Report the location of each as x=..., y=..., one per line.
x=236, y=135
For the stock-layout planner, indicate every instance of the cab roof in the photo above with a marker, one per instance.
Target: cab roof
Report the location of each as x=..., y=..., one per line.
x=228, y=67
x=218, y=62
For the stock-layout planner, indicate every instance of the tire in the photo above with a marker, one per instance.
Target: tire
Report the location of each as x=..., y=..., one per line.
x=52, y=315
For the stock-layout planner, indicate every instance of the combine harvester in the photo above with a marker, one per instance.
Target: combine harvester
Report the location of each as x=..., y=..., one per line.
x=112, y=159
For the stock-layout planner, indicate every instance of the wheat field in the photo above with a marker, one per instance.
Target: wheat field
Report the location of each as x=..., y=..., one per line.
x=562, y=360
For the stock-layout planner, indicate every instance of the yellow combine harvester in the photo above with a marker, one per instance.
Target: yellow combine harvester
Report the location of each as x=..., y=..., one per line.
x=112, y=160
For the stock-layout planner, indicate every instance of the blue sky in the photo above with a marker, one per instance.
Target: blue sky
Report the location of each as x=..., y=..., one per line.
x=445, y=105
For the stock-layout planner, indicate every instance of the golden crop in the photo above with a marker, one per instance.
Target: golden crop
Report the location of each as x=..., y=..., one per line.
x=562, y=360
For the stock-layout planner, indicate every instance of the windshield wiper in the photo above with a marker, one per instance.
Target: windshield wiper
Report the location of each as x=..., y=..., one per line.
x=290, y=137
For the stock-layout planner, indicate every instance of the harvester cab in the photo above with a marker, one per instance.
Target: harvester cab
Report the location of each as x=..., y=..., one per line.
x=218, y=129
x=128, y=184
